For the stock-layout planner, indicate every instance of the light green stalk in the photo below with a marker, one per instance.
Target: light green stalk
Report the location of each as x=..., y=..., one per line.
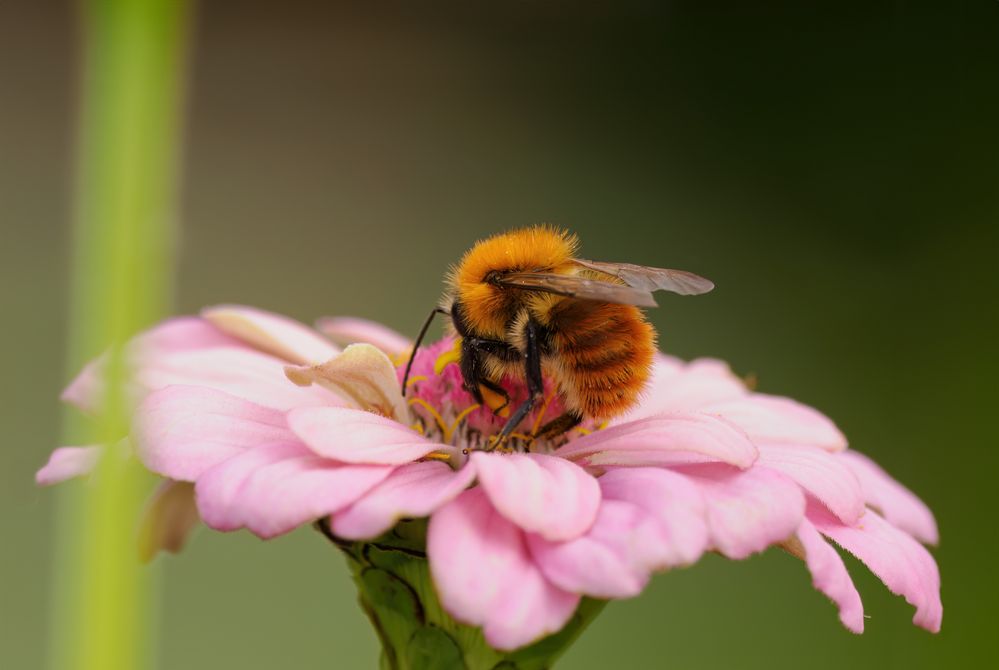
x=123, y=253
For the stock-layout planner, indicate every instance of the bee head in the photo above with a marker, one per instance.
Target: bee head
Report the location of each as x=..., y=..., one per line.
x=476, y=279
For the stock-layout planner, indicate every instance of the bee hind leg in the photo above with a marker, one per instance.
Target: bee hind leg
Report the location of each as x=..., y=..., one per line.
x=559, y=425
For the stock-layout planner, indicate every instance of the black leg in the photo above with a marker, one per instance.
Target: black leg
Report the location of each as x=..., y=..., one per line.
x=535, y=384
x=418, y=342
x=472, y=373
x=559, y=425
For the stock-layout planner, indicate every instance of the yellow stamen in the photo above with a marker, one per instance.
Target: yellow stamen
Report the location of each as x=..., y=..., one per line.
x=433, y=412
x=418, y=427
x=458, y=419
x=583, y=431
x=438, y=456
x=541, y=414
x=452, y=355
x=415, y=378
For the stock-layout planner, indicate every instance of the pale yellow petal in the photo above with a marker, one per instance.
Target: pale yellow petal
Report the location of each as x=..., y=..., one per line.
x=362, y=374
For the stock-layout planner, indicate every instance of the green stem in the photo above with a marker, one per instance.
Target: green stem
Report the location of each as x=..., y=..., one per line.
x=123, y=253
x=396, y=592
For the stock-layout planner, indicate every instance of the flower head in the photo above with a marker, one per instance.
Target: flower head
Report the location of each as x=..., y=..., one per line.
x=275, y=426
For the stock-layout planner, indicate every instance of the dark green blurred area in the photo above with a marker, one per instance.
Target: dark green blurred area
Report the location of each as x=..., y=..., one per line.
x=834, y=169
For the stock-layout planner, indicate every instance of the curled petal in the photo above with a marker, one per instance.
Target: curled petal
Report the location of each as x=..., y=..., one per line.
x=748, y=510
x=898, y=560
x=665, y=440
x=485, y=576
x=168, y=519
x=897, y=504
x=362, y=374
x=274, y=488
x=68, y=462
x=673, y=500
x=829, y=574
x=541, y=494
x=774, y=419
x=181, y=431
x=821, y=474
x=612, y=560
x=354, y=436
x=348, y=330
x=271, y=333
x=413, y=490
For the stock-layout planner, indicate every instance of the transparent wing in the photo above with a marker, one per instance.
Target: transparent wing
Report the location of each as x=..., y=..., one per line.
x=652, y=279
x=579, y=287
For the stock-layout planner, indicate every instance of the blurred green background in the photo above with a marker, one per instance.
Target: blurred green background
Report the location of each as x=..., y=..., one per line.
x=833, y=168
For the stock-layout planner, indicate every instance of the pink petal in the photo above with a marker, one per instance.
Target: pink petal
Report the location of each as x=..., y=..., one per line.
x=541, y=494
x=86, y=391
x=676, y=386
x=829, y=576
x=271, y=333
x=348, y=330
x=184, y=333
x=485, y=576
x=821, y=474
x=174, y=335
x=168, y=519
x=673, y=500
x=748, y=510
x=356, y=436
x=612, y=560
x=898, y=560
x=241, y=372
x=68, y=462
x=274, y=488
x=900, y=506
x=413, y=490
x=774, y=419
x=668, y=439
x=181, y=431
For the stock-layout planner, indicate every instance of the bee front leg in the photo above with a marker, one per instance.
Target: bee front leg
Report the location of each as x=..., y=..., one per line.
x=535, y=385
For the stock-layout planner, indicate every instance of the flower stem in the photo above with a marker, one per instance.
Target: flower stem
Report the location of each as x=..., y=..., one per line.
x=123, y=241
x=397, y=594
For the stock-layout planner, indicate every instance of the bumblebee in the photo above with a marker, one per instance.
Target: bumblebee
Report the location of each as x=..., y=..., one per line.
x=523, y=305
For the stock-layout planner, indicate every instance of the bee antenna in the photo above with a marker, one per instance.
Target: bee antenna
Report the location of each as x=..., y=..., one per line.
x=419, y=340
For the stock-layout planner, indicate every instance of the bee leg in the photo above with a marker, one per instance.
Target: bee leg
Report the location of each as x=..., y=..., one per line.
x=535, y=386
x=471, y=369
x=559, y=425
x=419, y=340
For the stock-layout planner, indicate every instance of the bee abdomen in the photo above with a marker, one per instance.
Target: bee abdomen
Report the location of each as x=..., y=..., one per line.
x=606, y=359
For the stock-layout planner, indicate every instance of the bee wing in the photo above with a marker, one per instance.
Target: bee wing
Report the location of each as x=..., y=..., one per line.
x=579, y=287
x=652, y=279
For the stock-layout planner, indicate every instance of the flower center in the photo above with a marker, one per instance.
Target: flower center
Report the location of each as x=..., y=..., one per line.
x=444, y=410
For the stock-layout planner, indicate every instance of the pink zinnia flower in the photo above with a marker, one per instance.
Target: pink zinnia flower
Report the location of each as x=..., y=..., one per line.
x=276, y=427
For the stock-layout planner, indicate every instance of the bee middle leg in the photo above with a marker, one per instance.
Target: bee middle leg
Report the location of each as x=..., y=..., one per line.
x=535, y=386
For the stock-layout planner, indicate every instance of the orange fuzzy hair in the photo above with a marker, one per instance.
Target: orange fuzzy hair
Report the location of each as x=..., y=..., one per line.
x=542, y=247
